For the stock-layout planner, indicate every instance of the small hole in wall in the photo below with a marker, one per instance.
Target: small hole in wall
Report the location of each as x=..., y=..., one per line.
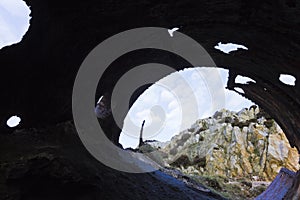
x=229, y=47
x=243, y=80
x=13, y=121
x=240, y=90
x=287, y=79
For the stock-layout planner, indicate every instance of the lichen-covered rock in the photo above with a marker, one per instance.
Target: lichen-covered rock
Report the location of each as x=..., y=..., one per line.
x=229, y=144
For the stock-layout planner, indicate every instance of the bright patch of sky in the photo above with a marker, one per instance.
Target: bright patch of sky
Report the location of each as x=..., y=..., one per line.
x=14, y=21
x=13, y=121
x=175, y=102
x=243, y=80
x=240, y=90
x=171, y=31
x=287, y=79
x=229, y=47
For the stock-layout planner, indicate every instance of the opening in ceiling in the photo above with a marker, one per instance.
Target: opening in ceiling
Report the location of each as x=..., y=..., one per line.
x=229, y=47
x=287, y=79
x=209, y=133
x=176, y=101
x=243, y=80
x=13, y=121
x=14, y=21
x=240, y=90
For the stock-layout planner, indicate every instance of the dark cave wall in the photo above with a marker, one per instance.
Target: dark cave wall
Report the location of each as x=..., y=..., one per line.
x=40, y=71
x=37, y=74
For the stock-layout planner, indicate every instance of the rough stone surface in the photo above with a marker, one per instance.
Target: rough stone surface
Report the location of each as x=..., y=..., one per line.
x=243, y=147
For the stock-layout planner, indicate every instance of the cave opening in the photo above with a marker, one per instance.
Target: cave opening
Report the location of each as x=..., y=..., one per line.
x=176, y=101
x=223, y=140
x=247, y=22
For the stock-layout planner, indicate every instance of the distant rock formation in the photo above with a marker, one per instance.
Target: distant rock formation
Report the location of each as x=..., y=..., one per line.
x=233, y=144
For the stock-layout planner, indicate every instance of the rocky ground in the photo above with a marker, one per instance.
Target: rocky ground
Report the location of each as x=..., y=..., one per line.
x=235, y=153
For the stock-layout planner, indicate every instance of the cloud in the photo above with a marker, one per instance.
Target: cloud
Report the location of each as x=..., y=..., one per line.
x=183, y=97
x=15, y=7
x=173, y=105
x=236, y=102
x=166, y=95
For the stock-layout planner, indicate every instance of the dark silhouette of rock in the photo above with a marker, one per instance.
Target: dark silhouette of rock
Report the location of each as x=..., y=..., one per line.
x=294, y=190
x=278, y=189
x=141, y=142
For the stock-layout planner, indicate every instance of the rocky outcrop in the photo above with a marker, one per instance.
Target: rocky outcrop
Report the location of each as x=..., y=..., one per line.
x=233, y=145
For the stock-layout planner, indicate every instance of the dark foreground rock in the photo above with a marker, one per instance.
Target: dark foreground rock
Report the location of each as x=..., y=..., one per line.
x=280, y=186
x=52, y=163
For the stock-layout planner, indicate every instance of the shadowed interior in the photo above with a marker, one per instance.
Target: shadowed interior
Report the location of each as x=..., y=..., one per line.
x=38, y=73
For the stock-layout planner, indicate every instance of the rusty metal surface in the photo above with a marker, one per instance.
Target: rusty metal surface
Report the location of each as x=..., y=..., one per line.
x=279, y=187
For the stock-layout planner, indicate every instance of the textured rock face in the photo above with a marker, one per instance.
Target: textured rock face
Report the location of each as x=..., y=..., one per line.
x=233, y=145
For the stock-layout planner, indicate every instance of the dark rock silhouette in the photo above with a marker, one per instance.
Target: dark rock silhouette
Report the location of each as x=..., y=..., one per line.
x=141, y=142
x=280, y=186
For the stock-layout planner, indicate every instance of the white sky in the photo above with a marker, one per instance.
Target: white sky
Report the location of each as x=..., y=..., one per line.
x=243, y=79
x=229, y=47
x=13, y=121
x=164, y=103
x=14, y=21
x=287, y=79
x=169, y=106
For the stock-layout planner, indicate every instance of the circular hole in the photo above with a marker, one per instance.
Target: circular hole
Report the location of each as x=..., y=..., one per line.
x=13, y=121
x=183, y=97
x=233, y=147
